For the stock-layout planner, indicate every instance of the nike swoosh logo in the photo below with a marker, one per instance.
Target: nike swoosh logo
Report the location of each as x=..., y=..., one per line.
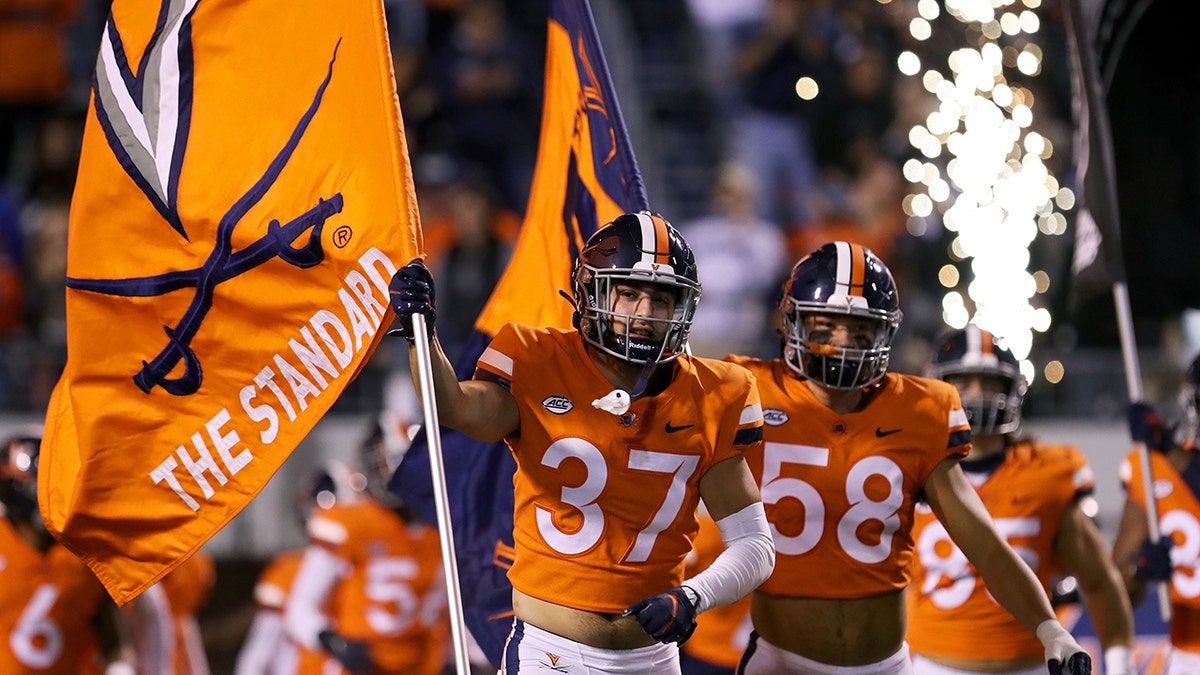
x=672, y=429
x=880, y=433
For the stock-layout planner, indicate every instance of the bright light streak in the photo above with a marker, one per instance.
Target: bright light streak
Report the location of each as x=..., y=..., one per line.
x=984, y=172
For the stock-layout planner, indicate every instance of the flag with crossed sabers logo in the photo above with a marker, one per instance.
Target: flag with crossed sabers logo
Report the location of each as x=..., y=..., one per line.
x=244, y=196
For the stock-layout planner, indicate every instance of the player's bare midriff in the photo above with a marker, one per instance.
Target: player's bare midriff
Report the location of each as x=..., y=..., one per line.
x=837, y=632
x=606, y=631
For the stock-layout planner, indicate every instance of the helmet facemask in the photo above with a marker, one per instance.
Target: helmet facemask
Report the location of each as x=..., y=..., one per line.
x=989, y=412
x=993, y=412
x=811, y=354
x=595, y=293
x=381, y=453
x=1188, y=403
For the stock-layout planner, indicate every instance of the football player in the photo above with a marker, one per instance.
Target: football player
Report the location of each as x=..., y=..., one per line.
x=617, y=434
x=850, y=449
x=268, y=649
x=1175, y=557
x=370, y=591
x=55, y=617
x=1033, y=492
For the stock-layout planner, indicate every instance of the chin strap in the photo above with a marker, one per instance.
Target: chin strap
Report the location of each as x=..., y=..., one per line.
x=640, y=387
x=575, y=314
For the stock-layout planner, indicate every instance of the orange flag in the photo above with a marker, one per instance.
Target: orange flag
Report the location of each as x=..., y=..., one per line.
x=244, y=196
x=586, y=175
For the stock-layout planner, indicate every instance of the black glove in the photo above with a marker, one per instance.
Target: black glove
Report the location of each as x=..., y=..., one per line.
x=1154, y=560
x=1078, y=663
x=667, y=617
x=1146, y=425
x=352, y=654
x=412, y=292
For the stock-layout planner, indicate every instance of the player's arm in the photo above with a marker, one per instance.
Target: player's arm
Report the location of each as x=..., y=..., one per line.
x=264, y=643
x=1009, y=580
x=1133, y=530
x=483, y=410
x=1085, y=555
x=732, y=498
x=304, y=614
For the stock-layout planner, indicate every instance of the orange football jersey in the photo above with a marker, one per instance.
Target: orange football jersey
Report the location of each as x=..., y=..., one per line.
x=1179, y=518
x=605, y=505
x=840, y=490
x=722, y=633
x=950, y=612
x=393, y=594
x=47, y=605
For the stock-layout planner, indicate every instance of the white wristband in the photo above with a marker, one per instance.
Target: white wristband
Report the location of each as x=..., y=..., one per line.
x=1058, y=643
x=120, y=668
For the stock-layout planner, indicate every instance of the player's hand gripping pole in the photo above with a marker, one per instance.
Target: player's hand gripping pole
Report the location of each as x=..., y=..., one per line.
x=433, y=437
x=1133, y=378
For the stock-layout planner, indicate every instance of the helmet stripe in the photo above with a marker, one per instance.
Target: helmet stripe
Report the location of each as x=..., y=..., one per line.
x=663, y=240
x=851, y=268
x=978, y=342
x=986, y=340
x=656, y=243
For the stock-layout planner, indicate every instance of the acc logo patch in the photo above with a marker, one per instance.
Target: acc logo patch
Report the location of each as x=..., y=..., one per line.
x=774, y=417
x=1162, y=488
x=558, y=405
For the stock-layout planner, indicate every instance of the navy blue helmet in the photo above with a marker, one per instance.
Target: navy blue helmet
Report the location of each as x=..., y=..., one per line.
x=635, y=248
x=18, y=478
x=846, y=279
x=974, y=351
x=388, y=439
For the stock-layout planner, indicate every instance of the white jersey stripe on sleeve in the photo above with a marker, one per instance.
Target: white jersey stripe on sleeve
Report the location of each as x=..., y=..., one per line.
x=750, y=414
x=495, y=359
x=958, y=418
x=328, y=531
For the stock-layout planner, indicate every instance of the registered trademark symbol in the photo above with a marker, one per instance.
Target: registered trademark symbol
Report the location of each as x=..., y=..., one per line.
x=342, y=236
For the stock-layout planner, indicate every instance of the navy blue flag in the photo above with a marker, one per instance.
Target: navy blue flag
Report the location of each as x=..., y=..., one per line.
x=1097, y=262
x=586, y=176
